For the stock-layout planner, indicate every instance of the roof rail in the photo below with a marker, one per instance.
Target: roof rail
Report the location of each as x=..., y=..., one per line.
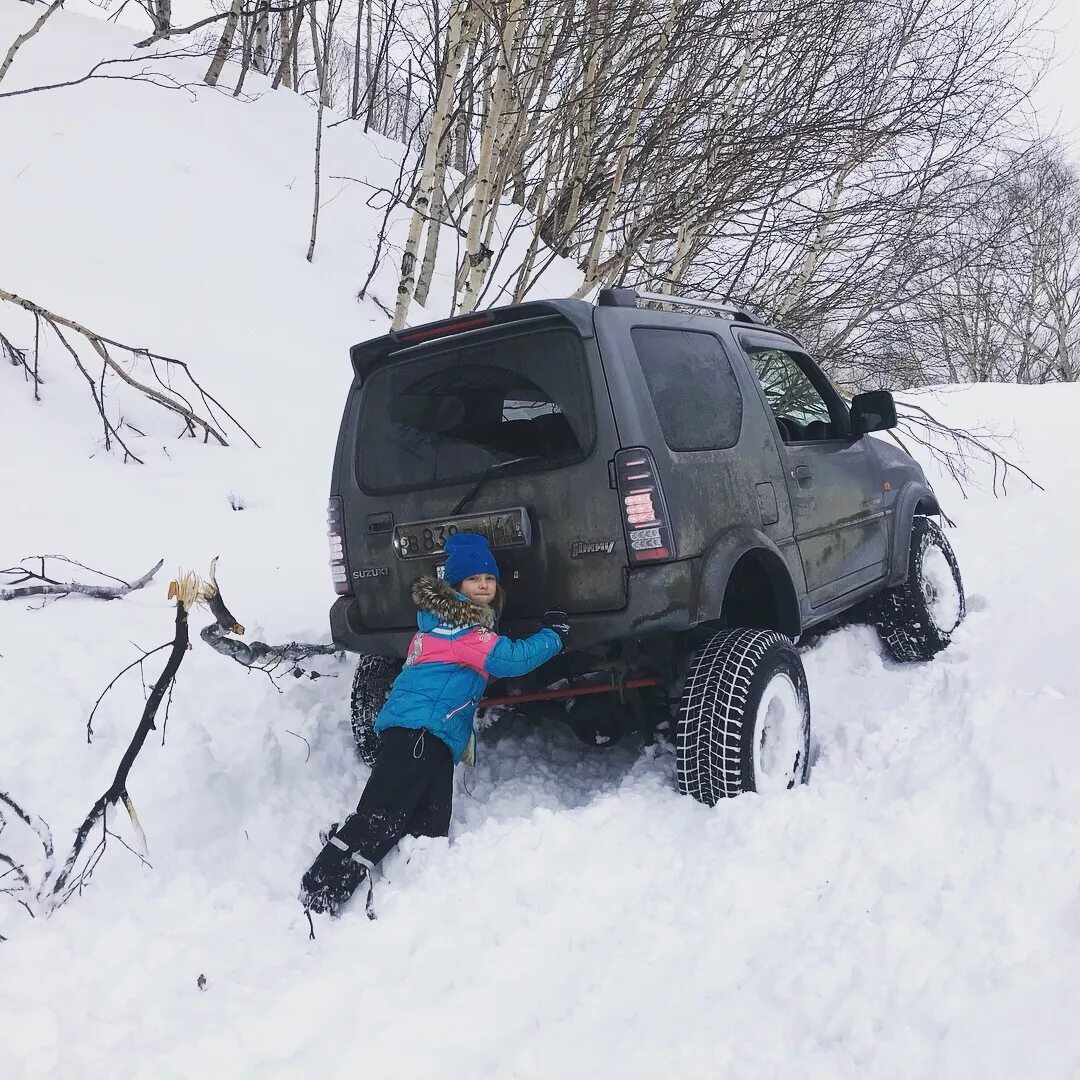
x=630, y=297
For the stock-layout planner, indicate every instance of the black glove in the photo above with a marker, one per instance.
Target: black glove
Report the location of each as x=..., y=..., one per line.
x=556, y=619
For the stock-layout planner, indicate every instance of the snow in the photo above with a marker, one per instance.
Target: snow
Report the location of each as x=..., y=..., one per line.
x=910, y=912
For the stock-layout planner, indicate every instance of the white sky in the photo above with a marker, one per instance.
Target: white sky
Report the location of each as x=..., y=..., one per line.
x=1057, y=100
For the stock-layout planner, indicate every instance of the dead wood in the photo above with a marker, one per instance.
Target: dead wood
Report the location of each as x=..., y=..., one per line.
x=48, y=586
x=161, y=389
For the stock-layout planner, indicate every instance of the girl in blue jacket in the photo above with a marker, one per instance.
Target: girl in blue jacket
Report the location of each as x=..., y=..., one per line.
x=426, y=724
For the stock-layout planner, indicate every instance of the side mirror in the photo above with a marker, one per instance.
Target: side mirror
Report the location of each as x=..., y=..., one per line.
x=873, y=411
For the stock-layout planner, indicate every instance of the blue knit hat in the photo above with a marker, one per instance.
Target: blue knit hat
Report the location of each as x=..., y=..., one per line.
x=468, y=554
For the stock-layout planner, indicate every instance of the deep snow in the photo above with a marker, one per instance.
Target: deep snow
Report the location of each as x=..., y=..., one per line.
x=912, y=912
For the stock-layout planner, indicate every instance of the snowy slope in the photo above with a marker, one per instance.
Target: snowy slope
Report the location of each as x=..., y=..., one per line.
x=912, y=912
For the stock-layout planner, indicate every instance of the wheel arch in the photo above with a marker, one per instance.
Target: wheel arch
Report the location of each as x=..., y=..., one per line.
x=915, y=498
x=739, y=560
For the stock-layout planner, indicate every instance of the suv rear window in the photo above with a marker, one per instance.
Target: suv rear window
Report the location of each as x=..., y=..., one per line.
x=692, y=386
x=448, y=416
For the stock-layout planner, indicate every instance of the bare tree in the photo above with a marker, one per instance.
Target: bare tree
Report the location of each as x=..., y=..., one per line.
x=23, y=38
x=458, y=35
x=322, y=54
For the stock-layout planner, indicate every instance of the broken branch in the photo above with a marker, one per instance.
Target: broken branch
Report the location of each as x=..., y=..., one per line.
x=50, y=587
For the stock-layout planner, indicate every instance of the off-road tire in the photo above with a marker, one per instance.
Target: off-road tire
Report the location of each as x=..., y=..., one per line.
x=719, y=715
x=370, y=689
x=905, y=616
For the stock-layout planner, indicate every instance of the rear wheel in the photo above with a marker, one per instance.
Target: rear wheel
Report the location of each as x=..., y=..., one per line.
x=916, y=620
x=744, y=719
x=370, y=689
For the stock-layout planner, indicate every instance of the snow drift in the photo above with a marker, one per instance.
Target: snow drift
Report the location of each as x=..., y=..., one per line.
x=912, y=911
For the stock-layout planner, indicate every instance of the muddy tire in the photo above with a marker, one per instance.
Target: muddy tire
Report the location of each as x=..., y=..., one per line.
x=916, y=620
x=370, y=689
x=744, y=718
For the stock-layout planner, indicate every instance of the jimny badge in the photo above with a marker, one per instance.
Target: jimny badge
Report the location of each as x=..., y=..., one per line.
x=581, y=548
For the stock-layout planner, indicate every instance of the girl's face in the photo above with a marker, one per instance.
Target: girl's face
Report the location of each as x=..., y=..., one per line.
x=480, y=588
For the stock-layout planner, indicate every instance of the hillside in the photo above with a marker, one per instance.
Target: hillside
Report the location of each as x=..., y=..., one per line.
x=912, y=911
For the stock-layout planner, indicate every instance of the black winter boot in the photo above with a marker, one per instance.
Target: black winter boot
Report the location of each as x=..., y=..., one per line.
x=333, y=877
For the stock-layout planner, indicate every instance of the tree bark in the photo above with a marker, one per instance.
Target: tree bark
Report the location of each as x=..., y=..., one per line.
x=354, y=102
x=285, y=67
x=262, y=38
x=458, y=34
x=486, y=193
x=436, y=216
x=323, y=95
x=224, y=46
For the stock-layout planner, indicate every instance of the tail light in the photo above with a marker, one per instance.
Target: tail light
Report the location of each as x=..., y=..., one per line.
x=644, y=512
x=444, y=329
x=339, y=566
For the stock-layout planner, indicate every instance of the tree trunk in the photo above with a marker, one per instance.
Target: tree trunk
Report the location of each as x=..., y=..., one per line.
x=458, y=34
x=370, y=73
x=407, y=107
x=246, y=55
x=323, y=95
x=285, y=67
x=354, y=110
x=485, y=194
x=261, y=59
x=436, y=216
x=317, y=53
x=287, y=21
x=213, y=72
x=592, y=260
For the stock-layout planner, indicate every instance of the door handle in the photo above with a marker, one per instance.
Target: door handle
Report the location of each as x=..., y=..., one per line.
x=801, y=473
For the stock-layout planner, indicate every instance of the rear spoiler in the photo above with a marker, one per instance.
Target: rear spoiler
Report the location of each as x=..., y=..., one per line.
x=370, y=354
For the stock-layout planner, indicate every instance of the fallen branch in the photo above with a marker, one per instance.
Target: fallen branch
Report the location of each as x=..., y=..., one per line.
x=18, y=357
x=164, y=394
x=145, y=74
x=257, y=655
x=15, y=881
x=186, y=591
x=52, y=587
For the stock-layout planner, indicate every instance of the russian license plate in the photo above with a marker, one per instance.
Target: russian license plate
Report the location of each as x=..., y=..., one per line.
x=426, y=539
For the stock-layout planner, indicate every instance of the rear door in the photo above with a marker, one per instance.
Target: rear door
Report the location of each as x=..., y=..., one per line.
x=836, y=493
x=679, y=394
x=505, y=431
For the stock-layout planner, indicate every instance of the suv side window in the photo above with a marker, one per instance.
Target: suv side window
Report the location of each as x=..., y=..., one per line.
x=692, y=386
x=801, y=413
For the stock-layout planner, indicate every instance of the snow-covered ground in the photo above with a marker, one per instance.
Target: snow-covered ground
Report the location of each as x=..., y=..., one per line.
x=914, y=911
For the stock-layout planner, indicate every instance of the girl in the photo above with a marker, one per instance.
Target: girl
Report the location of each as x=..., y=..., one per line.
x=426, y=724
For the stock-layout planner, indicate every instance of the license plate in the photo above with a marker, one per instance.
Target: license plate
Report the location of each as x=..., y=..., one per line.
x=426, y=539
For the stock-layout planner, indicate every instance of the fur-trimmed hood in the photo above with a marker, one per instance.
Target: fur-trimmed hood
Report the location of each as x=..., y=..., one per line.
x=449, y=606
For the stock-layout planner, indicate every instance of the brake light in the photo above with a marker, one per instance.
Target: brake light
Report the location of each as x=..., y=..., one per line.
x=445, y=329
x=339, y=566
x=644, y=512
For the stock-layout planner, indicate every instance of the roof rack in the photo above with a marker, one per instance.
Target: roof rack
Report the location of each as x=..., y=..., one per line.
x=630, y=297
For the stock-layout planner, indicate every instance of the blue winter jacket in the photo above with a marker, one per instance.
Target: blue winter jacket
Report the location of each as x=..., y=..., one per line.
x=453, y=654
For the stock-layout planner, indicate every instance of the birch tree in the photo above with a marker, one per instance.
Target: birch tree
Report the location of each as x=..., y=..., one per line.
x=458, y=39
x=492, y=140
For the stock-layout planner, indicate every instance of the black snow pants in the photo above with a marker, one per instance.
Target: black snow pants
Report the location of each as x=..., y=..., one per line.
x=410, y=793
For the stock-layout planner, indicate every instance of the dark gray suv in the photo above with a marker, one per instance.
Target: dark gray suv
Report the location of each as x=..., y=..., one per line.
x=681, y=478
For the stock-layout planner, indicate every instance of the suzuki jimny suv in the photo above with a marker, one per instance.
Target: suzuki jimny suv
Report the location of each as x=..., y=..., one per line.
x=681, y=478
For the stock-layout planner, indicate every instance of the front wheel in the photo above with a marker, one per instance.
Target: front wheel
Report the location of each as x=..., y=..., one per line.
x=370, y=689
x=744, y=719
x=916, y=620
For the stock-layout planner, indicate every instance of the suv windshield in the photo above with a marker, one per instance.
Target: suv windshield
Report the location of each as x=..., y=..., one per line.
x=449, y=416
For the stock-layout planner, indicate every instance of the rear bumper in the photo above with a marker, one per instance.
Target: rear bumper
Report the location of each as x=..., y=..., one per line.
x=659, y=601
